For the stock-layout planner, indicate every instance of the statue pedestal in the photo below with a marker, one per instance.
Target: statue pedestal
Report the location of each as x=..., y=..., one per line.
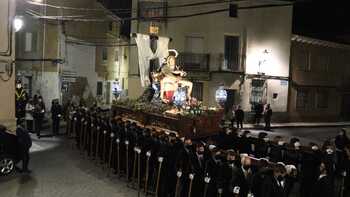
x=196, y=127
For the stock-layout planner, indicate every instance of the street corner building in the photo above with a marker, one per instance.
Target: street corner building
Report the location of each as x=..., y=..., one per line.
x=248, y=53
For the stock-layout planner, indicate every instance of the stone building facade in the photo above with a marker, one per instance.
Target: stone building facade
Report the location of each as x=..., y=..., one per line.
x=70, y=49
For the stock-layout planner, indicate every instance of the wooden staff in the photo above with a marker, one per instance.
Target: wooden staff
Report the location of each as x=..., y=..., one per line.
x=342, y=188
x=138, y=171
x=74, y=132
x=104, y=146
x=127, y=159
x=133, y=178
x=118, y=156
x=109, y=164
x=92, y=140
x=81, y=134
x=160, y=160
x=74, y=127
x=97, y=143
x=84, y=134
x=178, y=174
x=206, y=180
x=148, y=155
x=191, y=176
x=85, y=137
x=69, y=122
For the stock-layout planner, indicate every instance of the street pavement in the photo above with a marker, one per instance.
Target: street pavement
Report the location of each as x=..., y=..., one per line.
x=61, y=171
x=306, y=135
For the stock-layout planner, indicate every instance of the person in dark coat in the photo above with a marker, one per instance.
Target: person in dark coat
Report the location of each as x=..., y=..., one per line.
x=39, y=113
x=24, y=143
x=213, y=169
x=261, y=145
x=310, y=160
x=341, y=141
x=56, y=112
x=277, y=149
x=267, y=117
x=244, y=177
x=198, y=161
x=273, y=185
x=258, y=109
x=229, y=167
x=21, y=101
x=346, y=173
x=245, y=143
x=323, y=186
x=239, y=114
x=259, y=177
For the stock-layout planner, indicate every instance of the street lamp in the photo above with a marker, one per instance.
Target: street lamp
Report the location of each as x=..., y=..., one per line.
x=18, y=23
x=263, y=60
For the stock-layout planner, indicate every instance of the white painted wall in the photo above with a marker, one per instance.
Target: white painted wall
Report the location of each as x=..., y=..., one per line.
x=81, y=60
x=47, y=85
x=7, y=89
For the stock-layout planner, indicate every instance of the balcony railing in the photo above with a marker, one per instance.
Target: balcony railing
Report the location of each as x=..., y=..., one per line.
x=194, y=62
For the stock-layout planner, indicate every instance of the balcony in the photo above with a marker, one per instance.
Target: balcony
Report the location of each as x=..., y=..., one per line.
x=194, y=62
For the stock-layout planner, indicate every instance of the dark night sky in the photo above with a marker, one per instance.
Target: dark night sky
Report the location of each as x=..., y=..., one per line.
x=323, y=19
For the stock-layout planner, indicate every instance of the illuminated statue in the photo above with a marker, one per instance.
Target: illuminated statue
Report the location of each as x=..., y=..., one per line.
x=169, y=77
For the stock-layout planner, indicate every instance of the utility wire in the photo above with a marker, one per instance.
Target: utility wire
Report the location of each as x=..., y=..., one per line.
x=121, y=11
x=162, y=18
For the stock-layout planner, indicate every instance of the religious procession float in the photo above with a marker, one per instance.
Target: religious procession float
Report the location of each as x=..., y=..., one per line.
x=167, y=102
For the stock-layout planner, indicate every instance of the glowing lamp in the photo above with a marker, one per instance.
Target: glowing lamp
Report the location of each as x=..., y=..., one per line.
x=18, y=23
x=221, y=95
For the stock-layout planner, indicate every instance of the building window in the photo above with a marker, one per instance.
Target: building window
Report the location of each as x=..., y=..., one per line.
x=302, y=98
x=150, y=9
x=104, y=54
x=257, y=92
x=322, y=99
x=301, y=59
x=30, y=42
x=99, y=88
x=197, y=91
x=231, y=54
x=320, y=62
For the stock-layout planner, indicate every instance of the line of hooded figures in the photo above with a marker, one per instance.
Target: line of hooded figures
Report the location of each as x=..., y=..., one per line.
x=159, y=163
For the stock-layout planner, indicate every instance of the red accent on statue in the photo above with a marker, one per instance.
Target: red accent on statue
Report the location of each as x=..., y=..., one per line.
x=168, y=95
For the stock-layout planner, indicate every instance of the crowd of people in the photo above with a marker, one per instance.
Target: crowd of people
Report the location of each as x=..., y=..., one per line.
x=232, y=163
x=32, y=110
x=260, y=111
